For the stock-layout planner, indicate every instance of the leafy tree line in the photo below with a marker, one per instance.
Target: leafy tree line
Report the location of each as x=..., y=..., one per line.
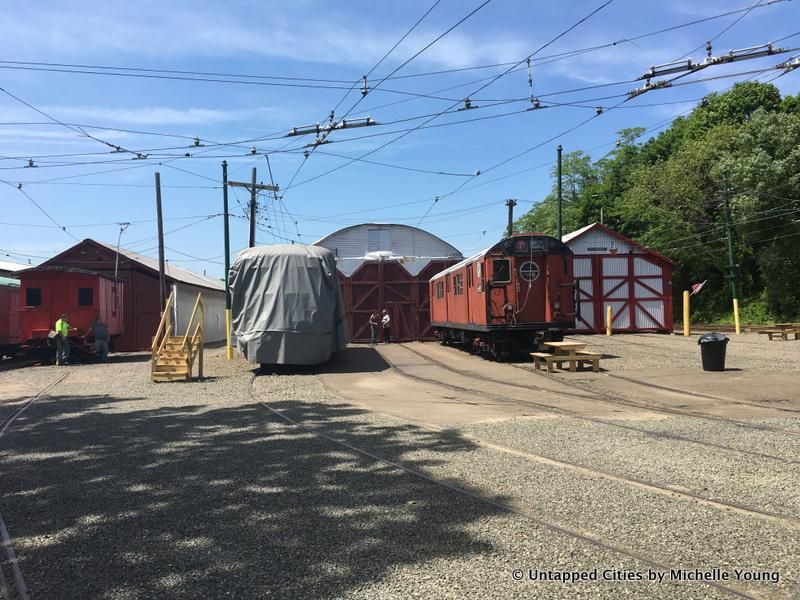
x=668, y=193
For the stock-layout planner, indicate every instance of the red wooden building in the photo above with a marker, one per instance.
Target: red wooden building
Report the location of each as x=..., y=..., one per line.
x=614, y=270
x=140, y=297
x=388, y=266
x=47, y=292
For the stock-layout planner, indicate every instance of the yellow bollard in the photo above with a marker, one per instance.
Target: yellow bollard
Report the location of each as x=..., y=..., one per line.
x=687, y=326
x=736, y=315
x=608, y=320
x=228, y=333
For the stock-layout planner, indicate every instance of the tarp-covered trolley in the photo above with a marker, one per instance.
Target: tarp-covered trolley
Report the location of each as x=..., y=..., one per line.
x=508, y=298
x=286, y=305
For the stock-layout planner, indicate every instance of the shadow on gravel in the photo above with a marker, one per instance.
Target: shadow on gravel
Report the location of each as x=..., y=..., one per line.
x=106, y=501
x=350, y=360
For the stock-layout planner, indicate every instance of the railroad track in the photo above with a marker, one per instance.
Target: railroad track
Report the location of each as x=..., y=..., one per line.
x=574, y=414
x=610, y=399
x=672, y=492
x=505, y=506
x=8, y=558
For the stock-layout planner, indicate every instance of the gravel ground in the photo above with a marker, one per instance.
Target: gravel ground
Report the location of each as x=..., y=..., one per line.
x=674, y=532
x=748, y=351
x=760, y=483
x=116, y=488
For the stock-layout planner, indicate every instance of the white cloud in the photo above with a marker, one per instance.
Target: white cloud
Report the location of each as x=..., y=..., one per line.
x=147, y=30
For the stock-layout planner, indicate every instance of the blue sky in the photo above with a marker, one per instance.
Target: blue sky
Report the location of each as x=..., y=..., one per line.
x=329, y=45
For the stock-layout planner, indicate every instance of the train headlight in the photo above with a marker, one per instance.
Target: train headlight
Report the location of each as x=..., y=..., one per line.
x=557, y=305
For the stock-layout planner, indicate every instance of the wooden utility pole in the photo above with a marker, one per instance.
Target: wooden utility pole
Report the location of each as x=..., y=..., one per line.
x=161, y=277
x=254, y=189
x=510, y=203
x=229, y=349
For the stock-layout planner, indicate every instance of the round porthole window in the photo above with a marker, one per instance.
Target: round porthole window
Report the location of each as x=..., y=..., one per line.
x=529, y=271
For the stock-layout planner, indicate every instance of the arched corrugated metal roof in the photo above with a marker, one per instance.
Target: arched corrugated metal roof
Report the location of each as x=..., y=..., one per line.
x=401, y=240
x=373, y=241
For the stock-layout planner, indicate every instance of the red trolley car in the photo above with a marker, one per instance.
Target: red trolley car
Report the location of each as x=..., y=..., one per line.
x=48, y=292
x=506, y=299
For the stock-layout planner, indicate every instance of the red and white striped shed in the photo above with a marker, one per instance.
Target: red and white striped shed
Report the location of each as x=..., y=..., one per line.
x=614, y=270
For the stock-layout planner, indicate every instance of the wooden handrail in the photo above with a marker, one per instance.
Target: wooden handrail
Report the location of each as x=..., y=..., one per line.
x=163, y=342
x=197, y=303
x=164, y=318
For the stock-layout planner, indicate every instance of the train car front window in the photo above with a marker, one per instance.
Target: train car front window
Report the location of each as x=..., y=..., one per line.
x=501, y=270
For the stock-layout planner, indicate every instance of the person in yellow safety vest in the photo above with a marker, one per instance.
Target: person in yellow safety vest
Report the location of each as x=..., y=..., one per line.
x=62, y=340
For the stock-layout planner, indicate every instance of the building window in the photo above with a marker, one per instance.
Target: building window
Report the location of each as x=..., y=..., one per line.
x=85, y=296
x=458, y=284
x=440, y=289
x=33, y=296
x=501, y=270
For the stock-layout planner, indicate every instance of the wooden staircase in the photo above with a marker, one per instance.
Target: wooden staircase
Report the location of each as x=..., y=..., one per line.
x=174, y=355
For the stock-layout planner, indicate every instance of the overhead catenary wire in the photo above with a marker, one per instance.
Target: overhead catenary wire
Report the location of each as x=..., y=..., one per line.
x=406, y=62
x=482, y=87
x=42, y=210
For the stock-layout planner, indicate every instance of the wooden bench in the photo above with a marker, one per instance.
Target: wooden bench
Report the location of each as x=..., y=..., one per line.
x=575, y=360
x=591, y=357
x=781, y=334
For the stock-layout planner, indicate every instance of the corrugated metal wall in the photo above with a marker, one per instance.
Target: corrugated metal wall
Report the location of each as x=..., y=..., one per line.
x=214, y=313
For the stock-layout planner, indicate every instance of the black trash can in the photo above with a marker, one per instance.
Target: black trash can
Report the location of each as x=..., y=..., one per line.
x=712, y=351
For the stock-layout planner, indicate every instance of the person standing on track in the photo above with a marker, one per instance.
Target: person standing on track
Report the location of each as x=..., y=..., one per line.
x=62, y=340
x=386, y=323
x=373, y=328
x=100, y=331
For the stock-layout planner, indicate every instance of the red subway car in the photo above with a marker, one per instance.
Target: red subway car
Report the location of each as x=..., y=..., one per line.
x=507, y=299
x=48, y=292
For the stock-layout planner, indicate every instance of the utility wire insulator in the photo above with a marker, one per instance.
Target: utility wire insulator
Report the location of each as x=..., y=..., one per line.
x=732, y=56
x=649, y=86
x=364, y=90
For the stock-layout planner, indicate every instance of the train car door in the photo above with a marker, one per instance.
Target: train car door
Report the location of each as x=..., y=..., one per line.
x=531, y=280
x=499, y=282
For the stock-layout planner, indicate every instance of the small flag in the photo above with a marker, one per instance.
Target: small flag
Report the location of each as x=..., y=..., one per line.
x=696, y=287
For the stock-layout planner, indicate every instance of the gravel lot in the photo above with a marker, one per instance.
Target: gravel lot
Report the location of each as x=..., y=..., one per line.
x=116, y=488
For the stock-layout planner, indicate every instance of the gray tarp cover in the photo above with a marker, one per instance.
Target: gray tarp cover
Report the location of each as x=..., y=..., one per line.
x=286, y=304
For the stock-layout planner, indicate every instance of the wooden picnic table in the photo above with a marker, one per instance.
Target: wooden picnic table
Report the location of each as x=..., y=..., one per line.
x=566, y=352
x=565, y=348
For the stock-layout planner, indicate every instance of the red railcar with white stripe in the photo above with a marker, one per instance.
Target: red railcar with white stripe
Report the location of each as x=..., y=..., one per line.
x=508, y=298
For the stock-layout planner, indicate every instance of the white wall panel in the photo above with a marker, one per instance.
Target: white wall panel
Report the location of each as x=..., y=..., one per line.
x=642, y=292
x=614, y=266
x=598, y=242
x=656, y=309
x=587, y=285
x=587, y=314
x=621, y=292
x=214, y=313
x=582, y=267
x=621, y=321
x=645, y=267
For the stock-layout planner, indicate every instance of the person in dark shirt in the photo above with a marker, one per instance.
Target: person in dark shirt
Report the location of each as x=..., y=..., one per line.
x=100, y=331
x=373, y=328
